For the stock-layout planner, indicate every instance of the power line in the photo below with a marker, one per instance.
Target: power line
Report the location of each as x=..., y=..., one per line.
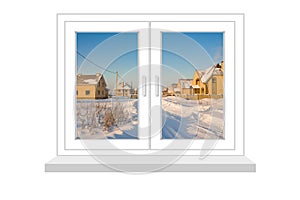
x=121, y=78
x=94, y=63
x=98, y=65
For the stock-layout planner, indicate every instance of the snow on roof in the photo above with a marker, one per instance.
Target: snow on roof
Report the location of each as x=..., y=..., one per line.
x=185, y=83
x=90, y=81
x=123, y=86
x=200, y=72
x=87, y=79
x=213, y=70
x=195, y=86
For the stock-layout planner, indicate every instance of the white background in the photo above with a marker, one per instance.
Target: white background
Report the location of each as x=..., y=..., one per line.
x=27, y=108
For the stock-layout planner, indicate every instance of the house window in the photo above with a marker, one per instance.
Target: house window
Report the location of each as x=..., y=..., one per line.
x=76, y=92
x=177, y=125
x=214, y=85
x=98, y=92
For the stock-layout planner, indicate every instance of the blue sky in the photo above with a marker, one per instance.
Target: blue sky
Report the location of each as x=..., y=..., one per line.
x=111, y=51
x=182, y=54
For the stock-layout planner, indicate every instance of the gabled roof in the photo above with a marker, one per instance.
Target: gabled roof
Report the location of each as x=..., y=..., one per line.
x=123, y=86
x=200, y=73
x=185, y=83
x=88, y=79
x=213, y=70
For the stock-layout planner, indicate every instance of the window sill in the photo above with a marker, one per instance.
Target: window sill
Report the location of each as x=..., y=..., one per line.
x=148, y=163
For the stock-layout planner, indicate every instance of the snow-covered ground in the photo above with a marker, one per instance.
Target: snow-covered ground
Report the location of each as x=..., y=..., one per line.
x=91, y=118
x=181, y=118
x=185, y=119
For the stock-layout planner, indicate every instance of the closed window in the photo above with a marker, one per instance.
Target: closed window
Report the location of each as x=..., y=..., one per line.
x=188, y=123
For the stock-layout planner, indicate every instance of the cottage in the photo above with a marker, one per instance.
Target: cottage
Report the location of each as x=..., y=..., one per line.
x=185, y=86
x=124, y=89
x=210, y=81
x=172, y=89
x=91, y=87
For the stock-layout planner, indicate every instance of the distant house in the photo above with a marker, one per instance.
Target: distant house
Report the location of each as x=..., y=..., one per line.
x=173, y=88
x=185, y=86
x=124, y=89
x=91, y=87
x=210, y=81
x=176, y=91
x=135, y=93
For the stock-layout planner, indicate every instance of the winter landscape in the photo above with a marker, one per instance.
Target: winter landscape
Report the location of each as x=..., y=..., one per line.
x=192, y=104
x=187, y=119
x=117, y=118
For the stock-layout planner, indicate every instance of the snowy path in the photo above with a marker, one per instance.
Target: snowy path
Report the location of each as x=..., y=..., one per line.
x=186, y=119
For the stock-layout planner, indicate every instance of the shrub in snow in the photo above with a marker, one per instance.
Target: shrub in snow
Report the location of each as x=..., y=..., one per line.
x=108, y=119
x=99, y=112
x=119, y=114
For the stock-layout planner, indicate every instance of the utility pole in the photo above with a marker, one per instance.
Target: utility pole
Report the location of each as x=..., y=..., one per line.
x=116, y=83
x=123, y=88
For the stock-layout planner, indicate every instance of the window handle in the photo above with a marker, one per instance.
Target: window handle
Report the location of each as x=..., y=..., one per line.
x=156, y=86
x=144, y=85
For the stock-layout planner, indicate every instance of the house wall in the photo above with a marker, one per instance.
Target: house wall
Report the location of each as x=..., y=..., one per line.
x=186, y=91
x=101, y=87
x=101, y=93
x=220, y=85
x=179, y=86
x=119, y=92
x=196, y=76
x=203, y=88
x=81, y=91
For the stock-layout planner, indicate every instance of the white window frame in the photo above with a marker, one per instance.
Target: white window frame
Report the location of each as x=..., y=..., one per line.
x=67, y=28
x=228, y=28
x=63, y=59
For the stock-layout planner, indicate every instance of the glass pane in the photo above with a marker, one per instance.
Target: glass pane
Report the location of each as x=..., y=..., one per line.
x=106, y=85
x=192, y=85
